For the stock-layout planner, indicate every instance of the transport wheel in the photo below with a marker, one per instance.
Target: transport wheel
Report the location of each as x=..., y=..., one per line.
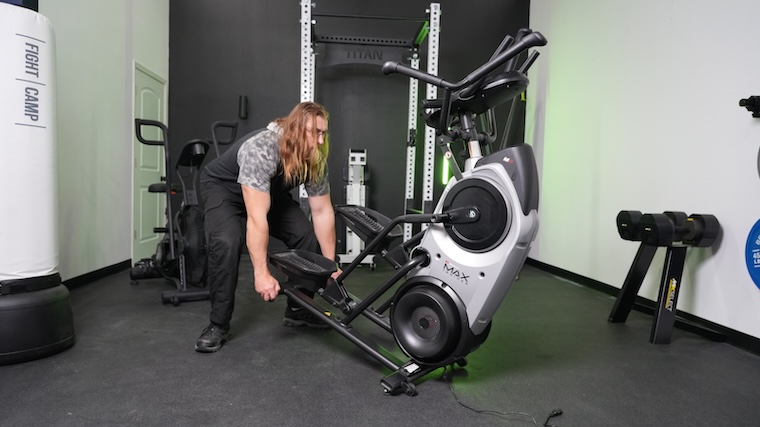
x=426, y=323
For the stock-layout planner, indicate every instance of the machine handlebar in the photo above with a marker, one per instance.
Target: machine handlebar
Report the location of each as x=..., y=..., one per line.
x=392, y=67
x=530, y=40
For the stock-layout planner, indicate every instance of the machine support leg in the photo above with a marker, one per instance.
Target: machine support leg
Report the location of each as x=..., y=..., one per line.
x=632, y=284
x=665, y=316
x=381, y=355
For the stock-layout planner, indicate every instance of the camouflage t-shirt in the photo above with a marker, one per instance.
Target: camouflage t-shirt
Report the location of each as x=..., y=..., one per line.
x=259, y=162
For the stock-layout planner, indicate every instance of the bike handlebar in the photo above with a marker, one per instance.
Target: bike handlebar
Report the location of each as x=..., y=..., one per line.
x=139, y=123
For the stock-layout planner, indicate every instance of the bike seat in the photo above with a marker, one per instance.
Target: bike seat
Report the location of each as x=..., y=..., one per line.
x=160, y=187
x=193, y=153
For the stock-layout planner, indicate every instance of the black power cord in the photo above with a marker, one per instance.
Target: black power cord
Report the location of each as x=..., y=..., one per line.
x=447, y=379
x=554, y=413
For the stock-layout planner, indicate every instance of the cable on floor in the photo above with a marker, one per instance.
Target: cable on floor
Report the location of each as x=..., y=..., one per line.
x=554, y=413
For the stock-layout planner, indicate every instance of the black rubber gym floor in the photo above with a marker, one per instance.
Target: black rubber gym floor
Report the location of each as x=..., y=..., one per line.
x=550, y=348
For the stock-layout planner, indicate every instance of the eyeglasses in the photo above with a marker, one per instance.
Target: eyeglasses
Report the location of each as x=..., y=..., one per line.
x=319, y=132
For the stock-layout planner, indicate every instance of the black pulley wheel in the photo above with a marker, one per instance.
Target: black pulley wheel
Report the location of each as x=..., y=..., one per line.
x=426, y=323
x=491, y=229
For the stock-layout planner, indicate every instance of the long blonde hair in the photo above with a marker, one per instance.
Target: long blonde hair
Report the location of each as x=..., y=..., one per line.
x=301, y=163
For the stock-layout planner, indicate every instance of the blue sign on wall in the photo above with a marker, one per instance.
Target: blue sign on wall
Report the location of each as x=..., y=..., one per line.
x=752, y=253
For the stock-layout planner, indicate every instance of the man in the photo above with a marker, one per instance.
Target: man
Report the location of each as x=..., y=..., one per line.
x=246, y=198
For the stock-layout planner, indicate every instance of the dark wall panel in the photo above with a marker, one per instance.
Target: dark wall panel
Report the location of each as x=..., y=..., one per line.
x=220, y=50
x=368, y=111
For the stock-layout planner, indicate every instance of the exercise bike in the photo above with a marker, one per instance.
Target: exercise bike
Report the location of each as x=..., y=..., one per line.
x=180, y=255
x=458, y=269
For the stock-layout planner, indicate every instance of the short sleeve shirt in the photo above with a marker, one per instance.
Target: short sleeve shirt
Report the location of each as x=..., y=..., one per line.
x=259, y=161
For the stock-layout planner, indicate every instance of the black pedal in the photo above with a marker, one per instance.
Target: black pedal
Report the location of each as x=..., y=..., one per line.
x=368, y=223
x=309, y=269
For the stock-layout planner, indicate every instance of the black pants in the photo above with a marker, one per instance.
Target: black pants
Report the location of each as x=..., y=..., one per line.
x=224, y=219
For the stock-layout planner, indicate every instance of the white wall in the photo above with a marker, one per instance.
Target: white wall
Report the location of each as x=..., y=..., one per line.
x=97, y=44
x=634, y=106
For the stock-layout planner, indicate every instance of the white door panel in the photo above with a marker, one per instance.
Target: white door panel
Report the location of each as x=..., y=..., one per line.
x=148, y=208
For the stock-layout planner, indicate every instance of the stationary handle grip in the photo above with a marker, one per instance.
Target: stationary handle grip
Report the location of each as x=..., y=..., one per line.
x=231, y=125
x=139, y=123
x=391, y=67
x=223, y=141
x=222, y=124
x=531, y=40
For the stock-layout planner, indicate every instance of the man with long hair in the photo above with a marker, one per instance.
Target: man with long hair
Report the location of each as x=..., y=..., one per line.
x=246, y=195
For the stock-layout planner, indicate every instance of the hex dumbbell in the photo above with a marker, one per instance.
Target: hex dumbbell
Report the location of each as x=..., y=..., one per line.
x=628, y=225
x=704, y=229
x=661, y=229
x=666, y=228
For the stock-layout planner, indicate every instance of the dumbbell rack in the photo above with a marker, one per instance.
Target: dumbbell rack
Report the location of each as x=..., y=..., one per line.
x=676, y=232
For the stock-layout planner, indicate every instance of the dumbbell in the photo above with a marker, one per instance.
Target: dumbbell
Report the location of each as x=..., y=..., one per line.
x=628, y=225
x=660, y=229
x=666, y=228
x=705, y=230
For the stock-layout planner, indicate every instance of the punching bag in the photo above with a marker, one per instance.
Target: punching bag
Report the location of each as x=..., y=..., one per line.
x=35, y=309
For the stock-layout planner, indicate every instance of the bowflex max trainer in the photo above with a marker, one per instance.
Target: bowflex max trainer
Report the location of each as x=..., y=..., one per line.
x=457, y=270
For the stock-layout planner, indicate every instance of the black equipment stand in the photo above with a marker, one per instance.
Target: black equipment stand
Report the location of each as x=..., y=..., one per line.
x=665, y=313
x=654, y=231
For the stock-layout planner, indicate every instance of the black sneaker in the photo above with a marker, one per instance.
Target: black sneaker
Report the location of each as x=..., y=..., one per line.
x=212, y=339
x=300, y=316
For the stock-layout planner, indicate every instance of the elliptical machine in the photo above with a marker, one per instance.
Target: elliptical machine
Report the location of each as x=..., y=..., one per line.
x=458, y=270
x=180, y=256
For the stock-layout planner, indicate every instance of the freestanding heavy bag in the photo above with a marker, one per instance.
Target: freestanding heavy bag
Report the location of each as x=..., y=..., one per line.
x=35, y=310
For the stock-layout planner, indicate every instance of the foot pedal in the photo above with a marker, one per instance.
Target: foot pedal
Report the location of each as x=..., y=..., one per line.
x=368, y=223
x=309, y=269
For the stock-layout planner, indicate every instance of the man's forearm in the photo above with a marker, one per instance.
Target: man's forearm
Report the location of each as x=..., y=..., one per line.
x=327, y=246
x=324, y=229
x=257, y=241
